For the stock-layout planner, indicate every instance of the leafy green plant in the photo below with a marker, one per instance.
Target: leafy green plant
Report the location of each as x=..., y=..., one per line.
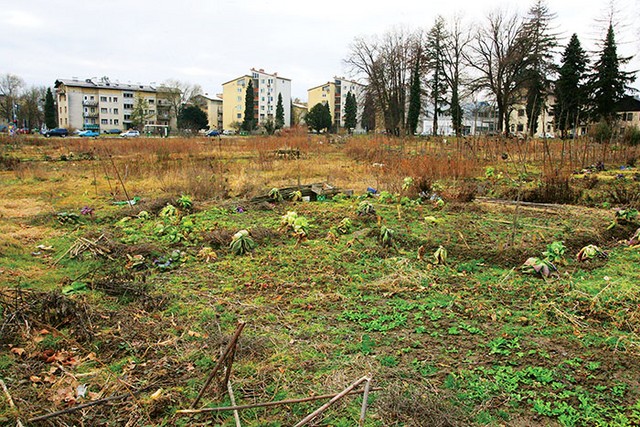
x=440, y=255
x=184, y=202
x=296, y=196
x=386, y=237
x=274, y=195
x=68, y=218
x=624, y=216
x=635, y=239
x=169, y=212
x=590, y=252
x=241, y=243
x=144, y=215
x=298, y=224
x=555, y=252
x=345, y=226
x=407, y=183
x=386, y=197
x=365, y=208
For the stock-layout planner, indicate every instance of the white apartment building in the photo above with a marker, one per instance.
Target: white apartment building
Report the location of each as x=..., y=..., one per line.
x=266, y=89
x=334, y=93
x=106, y=106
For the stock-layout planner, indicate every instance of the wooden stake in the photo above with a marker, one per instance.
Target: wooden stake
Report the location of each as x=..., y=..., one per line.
x=221, y=360
x=337, y=397
x=365, y=398
x=265, y=404
x=236, y=415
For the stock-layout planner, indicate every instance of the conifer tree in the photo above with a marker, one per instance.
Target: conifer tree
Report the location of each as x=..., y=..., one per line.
x=350, y=112
x=50, y=119
x=437, y=83
x=279, y=113
x=570, y=92
x=608, y=83
x=415, y=94
x=248, y=121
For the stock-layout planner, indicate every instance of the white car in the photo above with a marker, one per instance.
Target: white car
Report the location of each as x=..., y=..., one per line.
x=131, y=133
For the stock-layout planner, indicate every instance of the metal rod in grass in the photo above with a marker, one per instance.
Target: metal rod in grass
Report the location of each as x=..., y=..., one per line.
x=324, y=407
x=223, y=357
x=115, y=168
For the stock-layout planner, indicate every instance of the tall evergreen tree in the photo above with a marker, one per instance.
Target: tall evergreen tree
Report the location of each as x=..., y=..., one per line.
x=415, y=95
x=279, y=113
x=608, y=83
x=437, y=82
x=369, y=111
x=350, y=112
x=50, y=117
x=570, y=92
x=248, y=123
x=542, y=43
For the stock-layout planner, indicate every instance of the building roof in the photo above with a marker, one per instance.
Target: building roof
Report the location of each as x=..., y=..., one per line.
x=246, y=76
x=628, y=103
x=104, y=84
x=210, y=98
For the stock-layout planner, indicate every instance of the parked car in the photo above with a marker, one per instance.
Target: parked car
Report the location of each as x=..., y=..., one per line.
x=229, y=132
x=89, y=133
x=131, y=133
x=112, y=131
x=213, y=132
x=57, y=132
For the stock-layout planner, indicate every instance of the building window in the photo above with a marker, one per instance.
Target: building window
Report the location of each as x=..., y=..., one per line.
x=116, y=122
x=115, y=99
x=239, y=115
x=152, y=101
x=128, y=106
x=152, y=111
x=520, y=113
x=110, y=121
x=127, y=116
x=103, y=111
x=520, y=127
x=103, y=99
x=104, y=121
x=127, y=95
x=115, y=111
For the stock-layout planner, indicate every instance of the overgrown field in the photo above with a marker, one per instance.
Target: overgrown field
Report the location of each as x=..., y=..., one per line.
x=421, y=285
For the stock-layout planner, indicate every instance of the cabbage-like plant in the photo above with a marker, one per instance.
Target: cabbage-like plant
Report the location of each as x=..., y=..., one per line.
x=590, y=252
x=386, y=237
x=168, y=211
x=296, y=196
x=440, y=255
x=365, y=208
x=555, y=252
x=345, y=226
x=144, y=215
x=386, y=197
x=407, y=183
x=274, y=195
x=241, y=243
x=543, y=267
x=296, y=223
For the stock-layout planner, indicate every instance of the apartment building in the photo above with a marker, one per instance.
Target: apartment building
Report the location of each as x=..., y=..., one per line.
x=105, y=106
x=266, y=90
x=335, y=93
x=212, y=106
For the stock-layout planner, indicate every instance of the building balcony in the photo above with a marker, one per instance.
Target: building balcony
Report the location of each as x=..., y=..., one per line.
x=162, y=116
x=90, y=115
x=87, y=103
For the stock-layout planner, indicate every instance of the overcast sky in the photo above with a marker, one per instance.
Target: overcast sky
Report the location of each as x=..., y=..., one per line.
x=209, y=42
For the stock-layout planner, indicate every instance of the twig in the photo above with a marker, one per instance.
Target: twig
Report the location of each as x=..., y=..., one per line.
x=236, y=415
x=337, y=397
x=86, y=405
x=220, y=361
x=12, y=405
x=365, y=398
x=265, y=404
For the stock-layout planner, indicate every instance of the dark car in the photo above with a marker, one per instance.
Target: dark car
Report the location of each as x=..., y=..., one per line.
x=57, y=132
x=213, y=132
x=112, y=131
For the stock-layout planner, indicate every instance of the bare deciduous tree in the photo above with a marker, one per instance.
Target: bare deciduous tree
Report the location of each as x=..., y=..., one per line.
x=499, y=53
x=386, y=63
x=10, y=87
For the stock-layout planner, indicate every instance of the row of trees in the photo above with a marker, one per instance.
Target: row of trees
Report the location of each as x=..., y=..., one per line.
x=27, y=107
x=506, y=57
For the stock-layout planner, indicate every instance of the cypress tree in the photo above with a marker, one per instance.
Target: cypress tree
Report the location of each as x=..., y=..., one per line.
x=248, y=121
x=570, y=90
x=50, y=119
x=350, y=112
x=415, y=103
x=279, y=113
